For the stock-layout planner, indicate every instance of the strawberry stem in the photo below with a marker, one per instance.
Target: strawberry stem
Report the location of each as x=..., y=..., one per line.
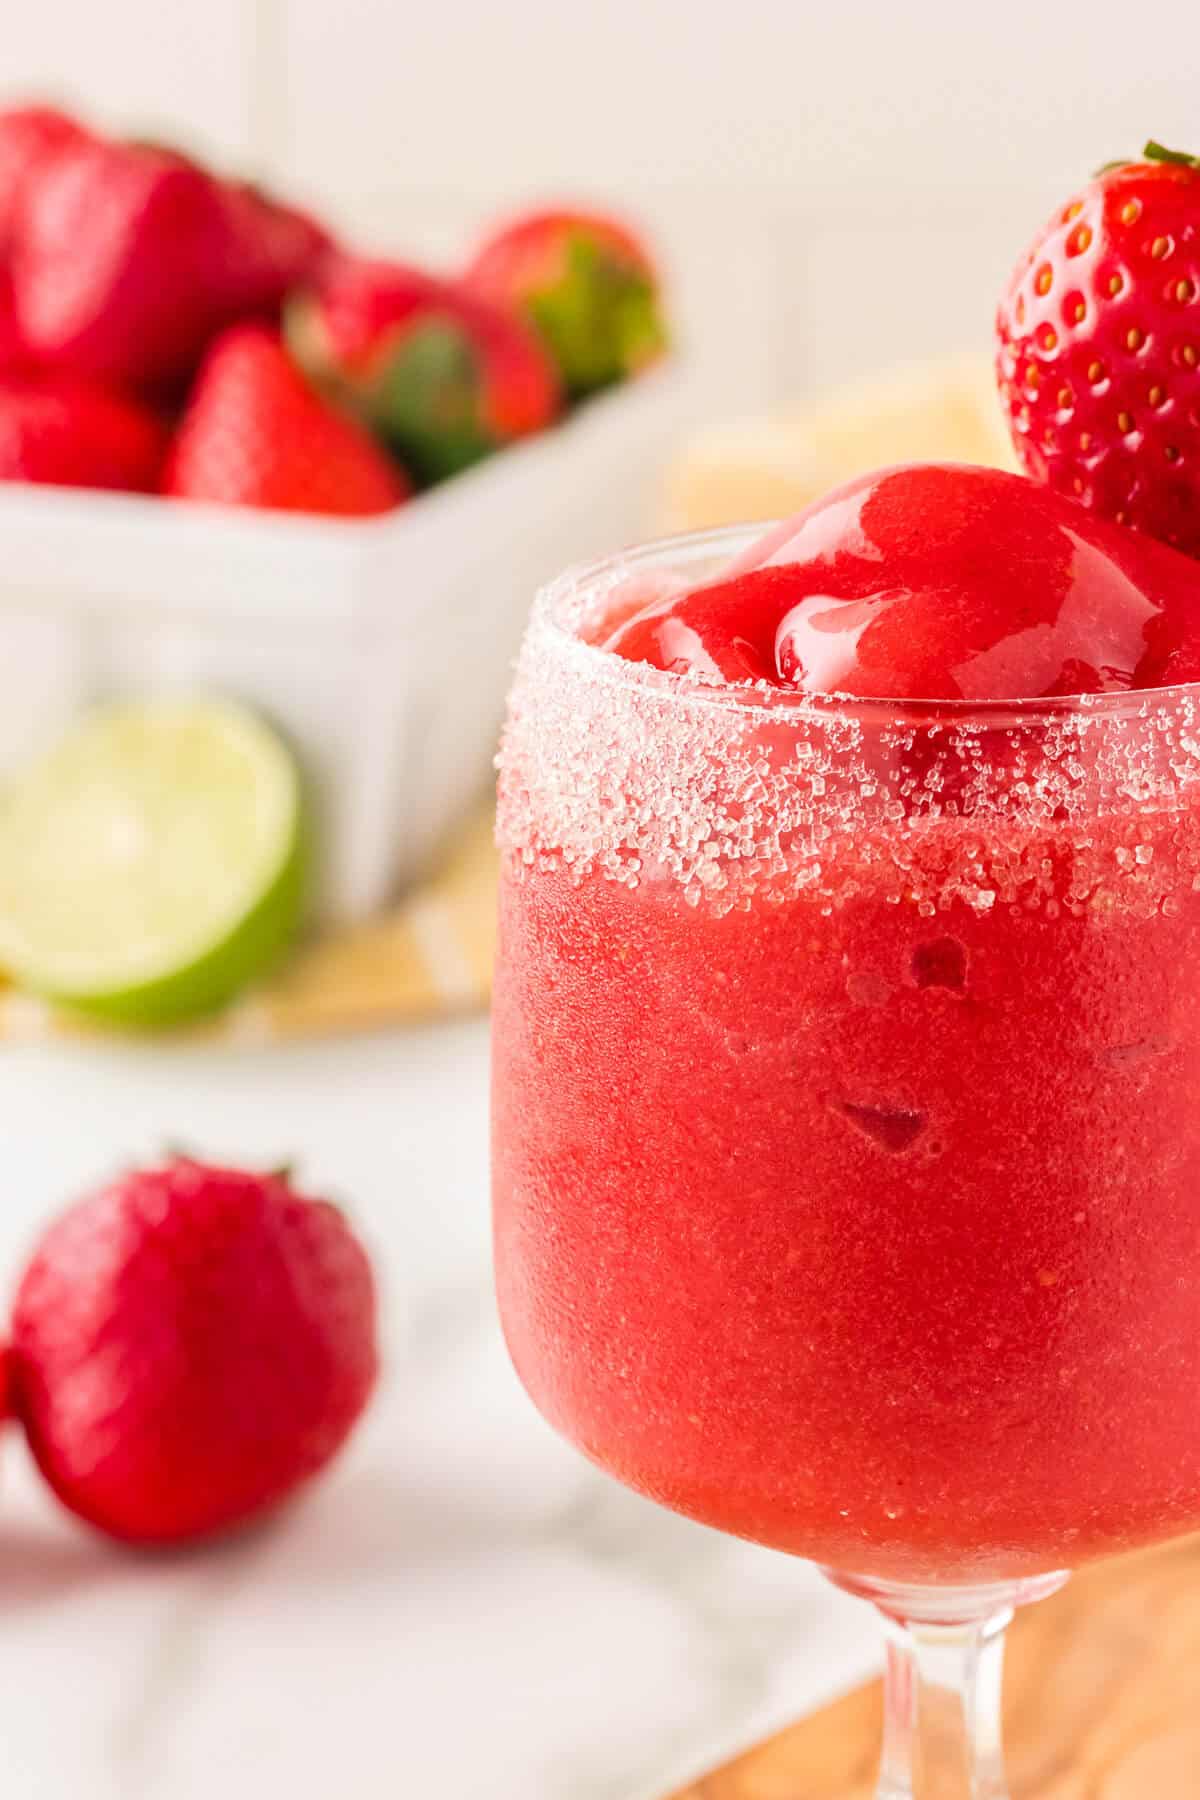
x=1155, y=152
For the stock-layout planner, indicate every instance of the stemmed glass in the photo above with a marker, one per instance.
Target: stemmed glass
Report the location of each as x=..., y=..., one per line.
x=846, y=1136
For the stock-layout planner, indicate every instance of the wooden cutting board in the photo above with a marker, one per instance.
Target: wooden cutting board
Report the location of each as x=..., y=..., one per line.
x=1102, y=1700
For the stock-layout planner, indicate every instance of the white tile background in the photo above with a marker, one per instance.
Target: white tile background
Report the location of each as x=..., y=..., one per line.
x=835, y=184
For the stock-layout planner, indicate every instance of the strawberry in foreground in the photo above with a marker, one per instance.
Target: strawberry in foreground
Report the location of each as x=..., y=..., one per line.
x=188, y=1346
x=255, y=433
x=30, y=138
x=444, y=375
x=128, y=259
x=70, y=432
x=1099, y=347
x=588, y=287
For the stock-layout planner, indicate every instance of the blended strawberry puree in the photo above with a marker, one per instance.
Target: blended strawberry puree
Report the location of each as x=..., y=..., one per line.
x=847, y=1035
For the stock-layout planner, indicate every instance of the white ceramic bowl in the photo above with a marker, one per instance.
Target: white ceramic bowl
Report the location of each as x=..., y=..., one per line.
x=381, y=649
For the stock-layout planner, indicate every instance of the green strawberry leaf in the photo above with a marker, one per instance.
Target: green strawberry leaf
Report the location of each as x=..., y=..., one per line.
x=1152, y=152
x=425, y=398
x=600, y=320
x=1155, y=152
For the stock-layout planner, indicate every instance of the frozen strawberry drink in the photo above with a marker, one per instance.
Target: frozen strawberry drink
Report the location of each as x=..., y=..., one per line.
x=847, y=1035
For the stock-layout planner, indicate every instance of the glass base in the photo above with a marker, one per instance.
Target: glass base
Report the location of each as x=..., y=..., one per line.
x=943, y=1682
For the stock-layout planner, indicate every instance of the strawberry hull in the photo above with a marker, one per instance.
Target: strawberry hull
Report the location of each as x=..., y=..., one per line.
x=443, y=376
x=588, y=288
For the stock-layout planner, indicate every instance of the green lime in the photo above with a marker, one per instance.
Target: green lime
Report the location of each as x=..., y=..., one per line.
x=153, y=862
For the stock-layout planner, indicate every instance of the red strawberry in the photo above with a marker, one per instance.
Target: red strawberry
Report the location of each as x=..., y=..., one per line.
x=69, y=432
x=281, y=247
x=443, y=374
x=14, y=353
x=256, y=434
x=586, y=284
x=188, y=1345
x=1099, y=359
x=128, y=259
x=30, y=138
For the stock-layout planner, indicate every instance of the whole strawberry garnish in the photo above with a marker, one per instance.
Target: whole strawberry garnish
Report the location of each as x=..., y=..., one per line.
x=188, y=1345
x=68, y=432
x=587, y=285
x=255, y=433
x=30, y=138
x=1099, y=357
x=129, y=258
x=444, y=375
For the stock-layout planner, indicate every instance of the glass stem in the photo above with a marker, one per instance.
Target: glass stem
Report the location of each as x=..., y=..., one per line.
x=942, y=1718
x=943, y=1683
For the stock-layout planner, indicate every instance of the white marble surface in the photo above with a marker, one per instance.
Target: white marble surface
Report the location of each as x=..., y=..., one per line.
x=463, y=1610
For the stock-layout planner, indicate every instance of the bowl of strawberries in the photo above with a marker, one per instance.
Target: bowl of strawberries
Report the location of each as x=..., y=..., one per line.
x=238, y=456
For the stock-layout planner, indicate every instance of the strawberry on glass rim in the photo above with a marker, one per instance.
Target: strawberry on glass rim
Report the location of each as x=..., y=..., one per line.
x=1099, y=347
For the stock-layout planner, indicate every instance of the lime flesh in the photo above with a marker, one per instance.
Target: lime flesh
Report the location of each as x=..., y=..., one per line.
x=152, y=864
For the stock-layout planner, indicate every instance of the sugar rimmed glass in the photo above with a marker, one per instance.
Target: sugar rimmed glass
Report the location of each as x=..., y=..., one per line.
x=846, y=1138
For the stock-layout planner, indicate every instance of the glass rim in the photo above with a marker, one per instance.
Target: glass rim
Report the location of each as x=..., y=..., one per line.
x=763, y=700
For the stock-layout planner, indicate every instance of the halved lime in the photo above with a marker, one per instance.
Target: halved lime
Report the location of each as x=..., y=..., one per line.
x=153, y=862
